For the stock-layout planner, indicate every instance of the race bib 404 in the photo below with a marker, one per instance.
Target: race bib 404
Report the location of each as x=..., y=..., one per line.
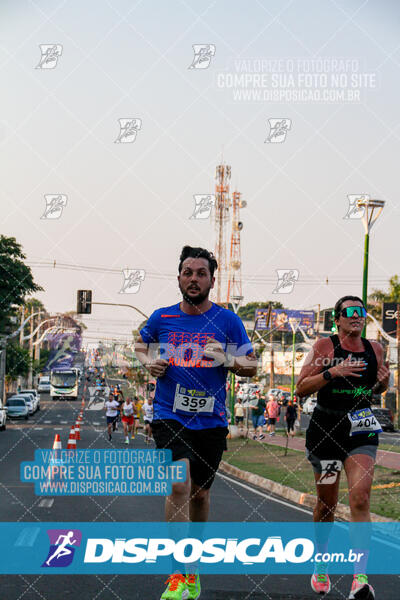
x=363, y=421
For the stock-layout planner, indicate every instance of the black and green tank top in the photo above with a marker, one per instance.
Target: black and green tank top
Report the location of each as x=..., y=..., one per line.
x=350, y=393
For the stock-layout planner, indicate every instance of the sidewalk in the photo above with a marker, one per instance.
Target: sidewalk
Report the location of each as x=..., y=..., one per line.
x=385, y=458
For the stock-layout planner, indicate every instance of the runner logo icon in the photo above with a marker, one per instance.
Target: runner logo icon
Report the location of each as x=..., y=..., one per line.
x=330, y=470
x=62, y=547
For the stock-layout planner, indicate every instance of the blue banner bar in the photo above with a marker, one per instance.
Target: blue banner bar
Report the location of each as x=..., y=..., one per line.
x=215, y=548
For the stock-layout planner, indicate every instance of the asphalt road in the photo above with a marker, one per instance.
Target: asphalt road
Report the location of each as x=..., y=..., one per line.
x=19, y=503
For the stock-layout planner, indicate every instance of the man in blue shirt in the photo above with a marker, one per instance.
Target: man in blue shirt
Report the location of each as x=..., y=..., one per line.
x=198, y=342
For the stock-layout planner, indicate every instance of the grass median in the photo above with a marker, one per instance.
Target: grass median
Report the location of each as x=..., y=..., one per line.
x=390, y=447
x=295, y=471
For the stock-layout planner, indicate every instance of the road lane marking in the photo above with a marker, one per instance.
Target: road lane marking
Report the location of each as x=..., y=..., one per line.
x=38, y=428
x=47, y=421
x=63, y=422
x=58, y=428
x=264, y=495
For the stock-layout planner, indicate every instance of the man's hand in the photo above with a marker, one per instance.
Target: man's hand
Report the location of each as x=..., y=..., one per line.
x=349, y=368
x=213, y=349
x=157, y=367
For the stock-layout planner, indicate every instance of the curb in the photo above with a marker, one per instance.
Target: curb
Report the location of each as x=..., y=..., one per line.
x=309, y=500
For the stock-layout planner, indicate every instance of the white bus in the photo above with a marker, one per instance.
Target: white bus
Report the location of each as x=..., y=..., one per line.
x=64, y=383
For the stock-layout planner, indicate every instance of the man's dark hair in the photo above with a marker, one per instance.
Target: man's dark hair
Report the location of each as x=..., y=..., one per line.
x=339, y=303
x=189, y=252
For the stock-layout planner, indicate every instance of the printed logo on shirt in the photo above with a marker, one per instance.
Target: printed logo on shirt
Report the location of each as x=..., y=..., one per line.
x=186, y=349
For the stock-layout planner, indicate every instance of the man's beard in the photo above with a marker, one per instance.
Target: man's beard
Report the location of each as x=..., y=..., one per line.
x=195, y=300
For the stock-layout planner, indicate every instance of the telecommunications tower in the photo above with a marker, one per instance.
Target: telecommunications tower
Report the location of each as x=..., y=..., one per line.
x=234, y=293
x=222, y=202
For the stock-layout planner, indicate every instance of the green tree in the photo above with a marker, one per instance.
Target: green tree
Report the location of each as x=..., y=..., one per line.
x=39, y=365
x=377, y=297
x=16, y=281
x=247, y=311
x=17, y=361
x=32, y=306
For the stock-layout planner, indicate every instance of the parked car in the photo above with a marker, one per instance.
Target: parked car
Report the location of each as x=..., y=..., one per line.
x=31, y=401
x=3, y=419
x=274, y=392
x=385, y=417
x=44, y=384
x=35, y=393
x=309, y=405
x=17, y=408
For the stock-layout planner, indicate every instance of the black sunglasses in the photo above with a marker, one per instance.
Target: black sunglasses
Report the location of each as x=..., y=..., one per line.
x=351, y=311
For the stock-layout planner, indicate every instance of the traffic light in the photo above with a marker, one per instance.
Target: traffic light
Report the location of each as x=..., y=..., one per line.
x=329, y=320
x=84, y=302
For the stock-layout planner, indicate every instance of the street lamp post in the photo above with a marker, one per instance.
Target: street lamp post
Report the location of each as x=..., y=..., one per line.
x=372, y=210
x=294, y=323
x=236, y=300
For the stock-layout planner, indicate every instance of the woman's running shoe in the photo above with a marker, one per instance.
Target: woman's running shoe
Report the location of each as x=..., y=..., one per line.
x=320, y=581
x=360, y=589
x=193, y=585
x=176, y=588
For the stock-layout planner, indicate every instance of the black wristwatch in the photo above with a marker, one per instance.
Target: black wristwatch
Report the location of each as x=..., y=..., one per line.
x=327, y=376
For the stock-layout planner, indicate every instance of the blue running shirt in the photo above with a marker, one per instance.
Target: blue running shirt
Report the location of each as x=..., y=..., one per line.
x=193, y=391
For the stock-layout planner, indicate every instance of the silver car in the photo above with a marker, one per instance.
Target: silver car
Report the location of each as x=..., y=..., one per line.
x=36, y=395
x=31, y=401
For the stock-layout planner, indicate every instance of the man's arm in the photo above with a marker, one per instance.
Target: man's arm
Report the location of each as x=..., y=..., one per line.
x=156, y=367
x=244, y=366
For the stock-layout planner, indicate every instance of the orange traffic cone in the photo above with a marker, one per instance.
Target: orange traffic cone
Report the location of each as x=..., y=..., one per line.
x=57, y=442
x=55, y=460
x=72, y=439
x=77, y=431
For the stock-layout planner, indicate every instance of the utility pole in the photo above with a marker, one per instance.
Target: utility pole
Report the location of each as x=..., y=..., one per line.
x=294, y=323
x=30, y=351
x=37, y=346
x=236, y=300
x=21, y=342
x=369, y=206
x=3, y=343
x=398, y=364
x=272, y=360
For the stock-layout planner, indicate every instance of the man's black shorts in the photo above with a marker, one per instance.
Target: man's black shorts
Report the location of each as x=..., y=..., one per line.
x=202, y=447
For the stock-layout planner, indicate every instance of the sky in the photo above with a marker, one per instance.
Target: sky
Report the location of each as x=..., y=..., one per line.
x=126, y=203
